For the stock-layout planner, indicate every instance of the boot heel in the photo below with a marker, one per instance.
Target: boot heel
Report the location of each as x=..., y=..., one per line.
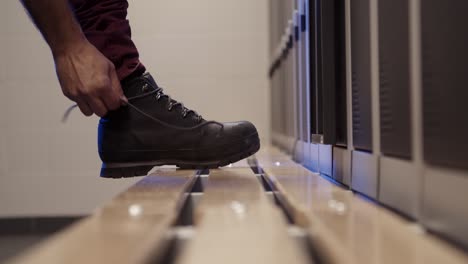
x=124, y=172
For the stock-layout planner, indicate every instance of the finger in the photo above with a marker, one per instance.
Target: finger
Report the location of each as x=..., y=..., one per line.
x=118, y=88
x=84, y=108
x=123, y=100
x=113, y=92
x=97, y=106
x=111, y=100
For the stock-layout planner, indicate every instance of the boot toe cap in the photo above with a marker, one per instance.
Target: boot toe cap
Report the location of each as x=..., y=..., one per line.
x=240, y=129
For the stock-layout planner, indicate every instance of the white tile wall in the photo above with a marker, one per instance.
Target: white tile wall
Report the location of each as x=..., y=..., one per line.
x=210, y=54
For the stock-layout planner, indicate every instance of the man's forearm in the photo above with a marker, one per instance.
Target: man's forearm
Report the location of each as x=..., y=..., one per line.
x=56, y=22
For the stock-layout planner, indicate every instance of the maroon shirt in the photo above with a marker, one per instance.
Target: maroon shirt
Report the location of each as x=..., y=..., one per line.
x=105, y=24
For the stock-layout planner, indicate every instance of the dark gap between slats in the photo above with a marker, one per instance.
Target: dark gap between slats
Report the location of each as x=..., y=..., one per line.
x=190, y=200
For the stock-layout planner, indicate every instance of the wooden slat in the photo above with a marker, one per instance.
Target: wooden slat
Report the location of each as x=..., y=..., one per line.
x=236, y=223
x=131, y=228
x=348, y=229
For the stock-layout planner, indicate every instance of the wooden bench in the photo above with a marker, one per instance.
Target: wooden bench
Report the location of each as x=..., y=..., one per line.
x=345, y=227
x=284, y=214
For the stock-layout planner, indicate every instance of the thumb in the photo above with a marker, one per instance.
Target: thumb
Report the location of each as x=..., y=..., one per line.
x=117, y=87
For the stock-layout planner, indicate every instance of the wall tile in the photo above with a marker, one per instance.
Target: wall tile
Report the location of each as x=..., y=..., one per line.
x=18, y=21
x=205, y=55
x=28, y=57
x=202, y=16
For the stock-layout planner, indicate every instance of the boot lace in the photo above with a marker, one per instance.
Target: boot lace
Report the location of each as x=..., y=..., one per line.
x=159, y=94
x=173, y=103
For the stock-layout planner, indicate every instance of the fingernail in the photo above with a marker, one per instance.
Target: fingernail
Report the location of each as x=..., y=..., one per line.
x=124, y=100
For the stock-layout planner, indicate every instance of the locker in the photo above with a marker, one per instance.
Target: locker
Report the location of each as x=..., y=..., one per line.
x=343, y=142
x=445, y=127
x=365, y=99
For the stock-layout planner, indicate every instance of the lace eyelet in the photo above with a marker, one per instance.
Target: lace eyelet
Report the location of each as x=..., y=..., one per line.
x=158, y=96
x=169, y=108
x=144, y=88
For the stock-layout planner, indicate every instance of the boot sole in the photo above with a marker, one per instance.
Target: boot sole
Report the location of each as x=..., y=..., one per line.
x=134, y=169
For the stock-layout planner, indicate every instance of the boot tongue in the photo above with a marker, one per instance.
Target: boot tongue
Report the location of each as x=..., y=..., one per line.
x=139, y=85
x=145, y=84
x=178, y=108
x=150, y=79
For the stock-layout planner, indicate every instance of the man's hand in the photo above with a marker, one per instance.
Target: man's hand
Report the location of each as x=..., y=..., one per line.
x=89, y=79
x=86, y=76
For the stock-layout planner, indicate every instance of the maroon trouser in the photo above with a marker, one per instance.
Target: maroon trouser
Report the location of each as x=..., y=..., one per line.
x=105, y=24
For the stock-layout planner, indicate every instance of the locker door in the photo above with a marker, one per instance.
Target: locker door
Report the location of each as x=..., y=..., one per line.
x=332, y=69
x=314, y=95
x=361, y=75
x=395, y=126
x=318, y=72
x=305, y=70
x=296, y=53
x=445, y=79
x=341, y=109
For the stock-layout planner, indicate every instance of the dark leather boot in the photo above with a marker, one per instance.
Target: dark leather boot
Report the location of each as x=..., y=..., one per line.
x=154, y=130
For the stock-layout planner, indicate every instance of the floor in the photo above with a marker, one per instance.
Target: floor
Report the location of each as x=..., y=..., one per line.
x=11, y=245
x=19, y=234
